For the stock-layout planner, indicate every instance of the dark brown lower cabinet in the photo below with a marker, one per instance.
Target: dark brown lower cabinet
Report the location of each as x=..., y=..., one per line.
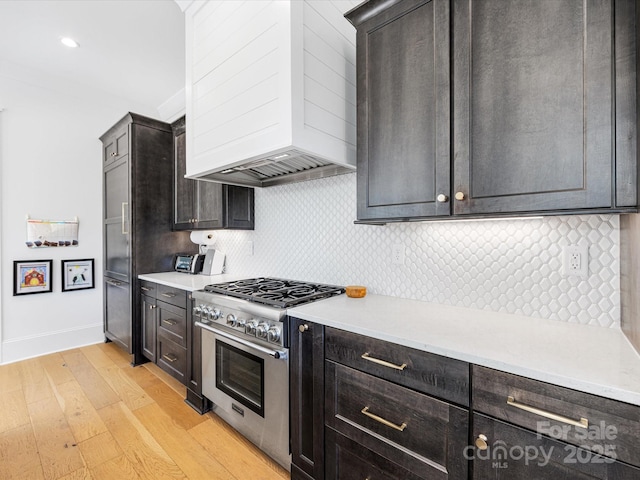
x=194, y=363
x=417, y=432
x=306, y=357
x=506, y=452
x=348, y=460
x=148, y=319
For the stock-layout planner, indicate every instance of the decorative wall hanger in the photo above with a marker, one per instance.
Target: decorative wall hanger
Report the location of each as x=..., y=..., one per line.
x=52, y=233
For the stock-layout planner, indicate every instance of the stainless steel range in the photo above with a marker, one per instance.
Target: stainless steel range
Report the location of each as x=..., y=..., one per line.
x=245, y=347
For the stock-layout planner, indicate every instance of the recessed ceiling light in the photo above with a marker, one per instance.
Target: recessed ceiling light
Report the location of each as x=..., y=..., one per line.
x=69, y=42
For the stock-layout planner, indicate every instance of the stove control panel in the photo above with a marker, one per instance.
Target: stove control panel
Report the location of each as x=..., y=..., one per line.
x=240, y=323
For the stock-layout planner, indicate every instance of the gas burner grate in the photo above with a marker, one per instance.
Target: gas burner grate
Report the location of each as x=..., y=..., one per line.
x=275, y=292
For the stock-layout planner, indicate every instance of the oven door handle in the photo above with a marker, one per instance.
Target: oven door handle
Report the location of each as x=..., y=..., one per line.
x=278, y=354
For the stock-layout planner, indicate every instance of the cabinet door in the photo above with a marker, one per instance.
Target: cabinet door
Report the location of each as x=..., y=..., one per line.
x=307, y=393
x=404, y=112
x=194, y=362
x=209, y=205
x=506, y=452
x=184, y=189
x=117, y=313
x=532, y=96
x=239, y=207
x=148, y=317
x=116, y=219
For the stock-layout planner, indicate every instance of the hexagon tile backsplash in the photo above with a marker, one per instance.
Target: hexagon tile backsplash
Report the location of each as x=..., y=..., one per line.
x=305, y=231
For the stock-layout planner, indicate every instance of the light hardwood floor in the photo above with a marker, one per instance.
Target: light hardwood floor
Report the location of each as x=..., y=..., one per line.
x=87, y=414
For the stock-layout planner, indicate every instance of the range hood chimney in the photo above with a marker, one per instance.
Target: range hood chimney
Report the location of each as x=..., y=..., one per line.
x=271, y=94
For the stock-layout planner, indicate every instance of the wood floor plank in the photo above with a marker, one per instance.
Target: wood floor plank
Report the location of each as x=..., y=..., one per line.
x=10, y=377
x=175, y=385
x=129, y=391
x=19, y=460
x=116, y=354
x=172, y=403
x=80, y=474
x=56, y=368
x=82, y=417
x=96, y=356
x=14, y=410
x=59, y=454
x=35, y=382
x=119, y=468
x=142, y=376
x=241, y=461
x=97, y=390
x=99, y=449
x=189, y=455
x=146, y=455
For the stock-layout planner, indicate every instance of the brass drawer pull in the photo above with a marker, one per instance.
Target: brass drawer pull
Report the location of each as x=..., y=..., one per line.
x=170, y=322
x=583, y=422
x=381, y=420
x=384, y=363
x=168, y=295
x=146, y=289
x=170, y=357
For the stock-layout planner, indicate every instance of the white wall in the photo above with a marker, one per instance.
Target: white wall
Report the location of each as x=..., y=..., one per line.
x=51, y=168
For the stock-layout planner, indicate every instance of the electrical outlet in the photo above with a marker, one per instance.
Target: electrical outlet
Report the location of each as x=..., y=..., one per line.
x=575, y=261
x=397, y=254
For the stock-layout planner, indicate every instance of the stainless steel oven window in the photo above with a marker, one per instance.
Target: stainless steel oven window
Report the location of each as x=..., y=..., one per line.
x=240, y=375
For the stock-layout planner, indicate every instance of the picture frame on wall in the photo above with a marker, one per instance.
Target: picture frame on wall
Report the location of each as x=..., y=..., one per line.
x=31, y=276
x=78, y=274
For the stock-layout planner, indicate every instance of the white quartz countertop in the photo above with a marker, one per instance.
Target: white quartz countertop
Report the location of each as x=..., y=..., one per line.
x=595, y=360
x=187, y=281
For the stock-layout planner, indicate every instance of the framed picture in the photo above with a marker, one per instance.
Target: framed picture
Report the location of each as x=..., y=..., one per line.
x=31, y=276
x=77, y=275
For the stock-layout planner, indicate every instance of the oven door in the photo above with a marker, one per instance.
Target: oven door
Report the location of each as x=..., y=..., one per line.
x=249, y=386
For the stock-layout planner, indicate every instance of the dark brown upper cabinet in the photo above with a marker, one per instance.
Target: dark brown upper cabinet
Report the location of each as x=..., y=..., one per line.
x=493, y=107
x=200, y=205
x=403, y=96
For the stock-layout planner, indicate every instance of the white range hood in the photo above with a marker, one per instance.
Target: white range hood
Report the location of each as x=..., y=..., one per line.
x=271, y=94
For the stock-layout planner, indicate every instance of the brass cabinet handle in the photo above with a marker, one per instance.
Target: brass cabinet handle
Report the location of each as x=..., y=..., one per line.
x=170, y=357
x=459, y=196
x=151, y=307
x=168, y=295
x=124, y=209
x=114, y=154
x=381, y=420
x=583, y=422
x=442, y=198
x=146, y=289
x=303, y=328
x=481, y=442
x=115, y=283
x=169, y=322
x=365, y=356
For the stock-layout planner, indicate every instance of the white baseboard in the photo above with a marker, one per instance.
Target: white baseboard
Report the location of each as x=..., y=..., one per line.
x=23, y=348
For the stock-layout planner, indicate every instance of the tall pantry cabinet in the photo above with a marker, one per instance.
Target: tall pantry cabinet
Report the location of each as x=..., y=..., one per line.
x=137, y=214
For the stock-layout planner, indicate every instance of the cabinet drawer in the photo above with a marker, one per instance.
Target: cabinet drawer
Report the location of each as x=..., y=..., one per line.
x=171, y=295
x=514, y=453
x=148, y=288
x=610, y=427
x=420, y=433
x=346, y=460
x=428, y=373
x=172, y=358
x=172, y=322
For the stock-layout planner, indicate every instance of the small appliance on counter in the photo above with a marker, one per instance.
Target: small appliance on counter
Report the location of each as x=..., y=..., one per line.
x=208, y=262
x=188, y=263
